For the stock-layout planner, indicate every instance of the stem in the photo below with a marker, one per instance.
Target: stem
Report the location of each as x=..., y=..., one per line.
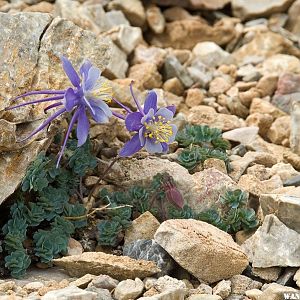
x=135, y=100
x=122, y=105
x=118, y=115
x=42, y=92
x=101, y=178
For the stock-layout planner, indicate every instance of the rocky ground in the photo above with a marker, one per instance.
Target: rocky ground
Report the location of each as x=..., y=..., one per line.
x=229, y=64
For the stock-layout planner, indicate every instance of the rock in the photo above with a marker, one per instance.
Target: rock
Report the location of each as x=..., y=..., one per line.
x=151, y=251
x=202, y=288
x=185, y=34
x=204, y=297
x=285, y=171
x=194, y=4
x=264, y=45
x=132, y=9
x=177, y=294
x=7, y=285
x=288, y=83
x=259, y=171
x=177, y=13
x=223, y=289
x=286, y=278
x=102, y=294
x=143, y=54
x=293, y=21
x=83, y=281
x=194, y=97
x=74, y=247
x=200, y=73
x=129, y=289
x=260, y=120
x=219, y=86
x=97, y=263
x=210, y=54
x=70, y=293
x=116, y=18
x=33, y=286
x=240, y=284
x=125, y=37
x=267, y=247
x=215, y=163
x=89, y=16
x=245, y=10
x=104, y=282
x=281, y=63
x=268, y=274
x=173, y=68
x=275, y=291
x=249, y=73
x=280, y=130
x=174, y=85
x=241, y=135
x=222, y=121
x=43, y=7
x=155, y=19
x=285, y=208
x=297, y=277
x=167, y=283
x=253, y=294
x=265, y=107
x=218, y=257
x=143, y=227
x=146, y=75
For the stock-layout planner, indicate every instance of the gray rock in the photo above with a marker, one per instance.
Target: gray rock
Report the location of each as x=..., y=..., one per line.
x=287, y=277
x=273, y=244
x=285, y=208
x=102, y=294
x=70, y=293
x=194, y=4
x=104, y=282
x=116, y=18
x=150, y=250
x=129, y=289
x=173, y=68
x=240, y=284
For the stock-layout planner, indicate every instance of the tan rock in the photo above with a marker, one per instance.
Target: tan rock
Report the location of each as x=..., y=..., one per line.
x=185, y=34
x=281, y=63
x=194, y=97
x=259, y=171
x=177, y=13
x=43, y=7
x=155, y=19
x=265, y=107
x=74, y=247
x=280, y=130
x=174, y=85
x=218, y=86
x=297, y=278
x=268, y=274
x=240, y=284
x=215, y=163
x=285, y=171
x=143, y=54
x=241, y=135
x=292, y=158
x=253, y=294
x=129, y=289
x=195, y=4
x=83, y=281
x=33, y=286
x=218, y=257
x=146, y=76
x=7, y=285
x=247, y=96
x=275, y=291
x=143, y=227
x=262, y=121
x=96, y=263
x=293, y=18
x=222, y=121
x=267, y=85
x=223, y=289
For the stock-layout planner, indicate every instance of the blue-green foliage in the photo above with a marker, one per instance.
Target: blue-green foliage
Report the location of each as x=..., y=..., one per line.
x=200, y=143
x=51, y=188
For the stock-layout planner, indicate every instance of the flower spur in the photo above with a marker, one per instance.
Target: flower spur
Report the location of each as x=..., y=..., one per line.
x=90, y=93
x=151, y=124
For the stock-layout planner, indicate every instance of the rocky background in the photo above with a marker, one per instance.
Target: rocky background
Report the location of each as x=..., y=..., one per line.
x=229, y=64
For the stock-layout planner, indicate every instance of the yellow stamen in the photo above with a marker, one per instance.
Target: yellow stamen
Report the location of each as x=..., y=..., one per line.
x=159, y=130
x=104, y=91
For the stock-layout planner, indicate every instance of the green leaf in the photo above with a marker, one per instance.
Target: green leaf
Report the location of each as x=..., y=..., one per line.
x=108, y=233
x=17, y=262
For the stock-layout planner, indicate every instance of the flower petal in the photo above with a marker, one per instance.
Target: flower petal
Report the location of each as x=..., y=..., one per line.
x=70, y=71
x=93, y=76
x=165, y=147
x=133, y=121
x=101, y=104
x=84, y=69
x=99, y=116
x=152, y=147
x=172, y=108
x=165, y=113
x=150, y=102
x=174, y=132
x=69, y=99
x=142, y=136
x=148, y=116
x=131, y=147
x=83, y=127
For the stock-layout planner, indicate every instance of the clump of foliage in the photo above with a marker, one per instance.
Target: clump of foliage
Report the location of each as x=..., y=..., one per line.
x=46, y=224
x=237, y=215
x=201, y=142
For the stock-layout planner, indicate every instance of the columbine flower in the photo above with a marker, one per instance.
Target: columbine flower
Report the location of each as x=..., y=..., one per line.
x=89, y=93
x=152, y=126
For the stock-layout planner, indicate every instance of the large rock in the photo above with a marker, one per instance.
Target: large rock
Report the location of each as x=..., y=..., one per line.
x=194, y=4
x=70, y=292
x=293, y=22
x=275, y=291
x=273, y=244
x=281, y=63
x=218, y=256
x=285, y=208
x=96, y=263
x=185, y=34
x=244, y=9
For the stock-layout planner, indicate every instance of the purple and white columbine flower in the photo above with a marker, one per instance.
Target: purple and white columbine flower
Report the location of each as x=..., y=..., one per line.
x=90, y=93
x=152, y=127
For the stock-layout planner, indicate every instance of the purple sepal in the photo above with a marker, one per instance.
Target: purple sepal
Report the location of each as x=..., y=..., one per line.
x=150, y=102
x=70, y=71
x=131, y=147
x=133, y=121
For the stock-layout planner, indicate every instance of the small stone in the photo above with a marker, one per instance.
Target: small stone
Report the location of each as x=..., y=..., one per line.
x=260, y=120
x=7, y=285
x=33, y=286
x=173, y=85
x=240, y=284
x=204, y=297
x=102, y=294
x=43, y=7
x=151, y=251
x=129, y=289
x=104, y=282
x=70, y=293
x=266, y=248
x=143, y=227
x=260, y=172
x=253, y=294
x=149, y=282
x=265, y=107
x=116, y=18
x=167, y=283
x=281, y=63
x=280, y=130
x=223, y=289
x=194, y=97
x=83, y=281
x=275, y=291
x=218, y=86
x=202, y=288
x=285, y=171
x=297, y=278
x=242, y=135
x=146, y=76
x=210, y=54
x=74, y=247
x=218, y=164
x=143, y=54
x=268, y=274
x=155, y=19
